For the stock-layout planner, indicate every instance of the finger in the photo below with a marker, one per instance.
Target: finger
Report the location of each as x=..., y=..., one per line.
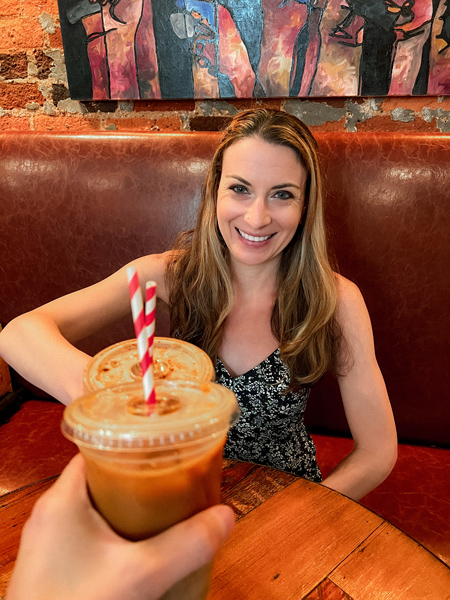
x=189, y=545
x=51, y=511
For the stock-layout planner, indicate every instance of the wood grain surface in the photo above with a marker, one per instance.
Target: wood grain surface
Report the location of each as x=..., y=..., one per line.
x=293, y=540
x=15, y=508
x=286, y=547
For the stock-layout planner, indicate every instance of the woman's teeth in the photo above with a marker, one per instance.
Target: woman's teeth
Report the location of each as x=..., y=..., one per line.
x=253, y=238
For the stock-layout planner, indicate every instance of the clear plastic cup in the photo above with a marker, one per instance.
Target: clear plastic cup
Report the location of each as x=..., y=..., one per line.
x=148, y=472
x=172, y=359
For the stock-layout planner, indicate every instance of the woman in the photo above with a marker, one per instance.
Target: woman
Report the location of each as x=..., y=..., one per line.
x=251, y=285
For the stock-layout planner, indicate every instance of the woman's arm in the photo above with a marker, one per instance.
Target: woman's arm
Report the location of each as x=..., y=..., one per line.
x=38, y=344
x=366, y=402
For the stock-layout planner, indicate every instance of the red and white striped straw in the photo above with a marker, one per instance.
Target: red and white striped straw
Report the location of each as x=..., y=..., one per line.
x=137, y=311
x=149, y=320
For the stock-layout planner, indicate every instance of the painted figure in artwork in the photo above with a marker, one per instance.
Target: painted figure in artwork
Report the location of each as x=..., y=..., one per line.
x=306, y=50
x=120, y=47
x=224, y=38
x=412, y=48
x=395, y=37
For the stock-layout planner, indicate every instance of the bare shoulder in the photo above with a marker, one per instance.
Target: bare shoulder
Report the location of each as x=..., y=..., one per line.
x=349, y=296
x=153, y=268
x=152, y=264
x=347, y=290
x=351, y=313
x=354, y=322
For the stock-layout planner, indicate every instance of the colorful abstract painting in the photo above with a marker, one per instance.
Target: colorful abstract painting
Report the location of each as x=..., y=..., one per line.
x=152, y=49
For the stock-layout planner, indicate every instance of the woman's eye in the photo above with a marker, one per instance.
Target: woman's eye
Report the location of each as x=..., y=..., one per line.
x=283, y=195
x=238, y=189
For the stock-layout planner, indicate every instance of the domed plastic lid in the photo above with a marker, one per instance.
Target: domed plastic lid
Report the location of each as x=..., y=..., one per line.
x=172, y=359
x=117, y=417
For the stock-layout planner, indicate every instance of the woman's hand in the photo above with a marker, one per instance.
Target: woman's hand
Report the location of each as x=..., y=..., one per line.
x=69, y=551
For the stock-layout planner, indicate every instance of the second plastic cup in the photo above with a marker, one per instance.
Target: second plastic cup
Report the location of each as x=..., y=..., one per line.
x=146, y=473
x=172, y=359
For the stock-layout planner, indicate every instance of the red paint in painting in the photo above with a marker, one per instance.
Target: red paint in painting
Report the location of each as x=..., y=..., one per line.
x=281, y=27
x=407, y=55
x=312, y=52
x=120, y=36
x=439, y=80
x=234, y=60
x=124, y=64
x=146, y=60
x=421, y=12
x=96, y=49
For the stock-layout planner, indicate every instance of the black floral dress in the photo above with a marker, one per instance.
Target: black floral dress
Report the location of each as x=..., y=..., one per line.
x=270, y=430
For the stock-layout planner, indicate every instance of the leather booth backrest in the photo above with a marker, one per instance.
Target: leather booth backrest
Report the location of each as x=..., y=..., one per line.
x=74, y=208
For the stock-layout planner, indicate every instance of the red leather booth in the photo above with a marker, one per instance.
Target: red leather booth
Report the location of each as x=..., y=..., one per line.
x=75, y=208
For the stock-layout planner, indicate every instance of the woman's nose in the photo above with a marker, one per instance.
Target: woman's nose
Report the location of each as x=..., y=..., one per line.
x=258, y=214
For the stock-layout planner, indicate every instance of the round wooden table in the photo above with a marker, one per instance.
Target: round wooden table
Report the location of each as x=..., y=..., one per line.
x=293, y=540
x=304, y=541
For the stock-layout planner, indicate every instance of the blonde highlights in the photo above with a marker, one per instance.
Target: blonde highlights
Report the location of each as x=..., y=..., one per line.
x=199, y=276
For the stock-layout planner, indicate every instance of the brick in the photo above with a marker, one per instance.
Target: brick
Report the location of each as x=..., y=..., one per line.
x=329, y=126
x=172, y=123
x=44, y=64
x=20, y=34
x=133, y=123
x=59, y=92
x=385, y=123
x=243, y=104
x=14, y=66
x=9, y=8
x=18, y=95
x=415, y=103
x=14, y=123
x=103, y=106
x=208, y=123
x=37, y=7
x=73, y=123
x=55, y=40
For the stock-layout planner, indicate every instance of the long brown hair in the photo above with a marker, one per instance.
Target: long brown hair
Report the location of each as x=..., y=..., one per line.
x=199, y=276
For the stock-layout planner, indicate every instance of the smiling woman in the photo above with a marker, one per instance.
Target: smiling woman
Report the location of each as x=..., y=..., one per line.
x=263, y=174
x=253, y=286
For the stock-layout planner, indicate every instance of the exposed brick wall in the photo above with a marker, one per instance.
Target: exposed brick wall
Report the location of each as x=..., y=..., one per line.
x=34, y=93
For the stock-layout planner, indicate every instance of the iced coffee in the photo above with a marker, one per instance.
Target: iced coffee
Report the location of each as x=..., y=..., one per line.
x=149, y=469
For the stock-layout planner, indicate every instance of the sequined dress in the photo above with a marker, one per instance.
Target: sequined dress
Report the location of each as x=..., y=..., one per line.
x=270, y=430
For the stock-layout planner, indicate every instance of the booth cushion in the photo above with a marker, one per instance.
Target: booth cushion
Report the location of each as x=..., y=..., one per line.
x=74, y=208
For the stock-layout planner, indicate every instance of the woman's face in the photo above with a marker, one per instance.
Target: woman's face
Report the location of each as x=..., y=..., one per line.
x=260, y=200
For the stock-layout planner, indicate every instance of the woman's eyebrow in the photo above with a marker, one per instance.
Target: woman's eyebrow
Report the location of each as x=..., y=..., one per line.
x=285, y=185
x=241, y=179
x=275, y=187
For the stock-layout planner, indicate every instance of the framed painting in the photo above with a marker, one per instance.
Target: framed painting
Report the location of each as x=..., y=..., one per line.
x=152, y=49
